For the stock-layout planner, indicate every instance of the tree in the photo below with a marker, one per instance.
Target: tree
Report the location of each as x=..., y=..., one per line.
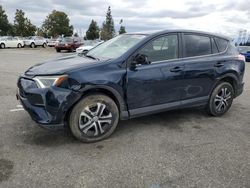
x=23, y=25
x=122, y=28
x=57, y=23
x=108, y=29
x=93, y=31
x=5, y=26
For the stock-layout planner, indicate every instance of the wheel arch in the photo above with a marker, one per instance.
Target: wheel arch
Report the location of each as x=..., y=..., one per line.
x=230, y=78
x=106, y=90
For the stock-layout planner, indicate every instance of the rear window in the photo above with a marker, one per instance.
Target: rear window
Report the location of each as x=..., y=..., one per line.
x=196, y=45
x=221, y=44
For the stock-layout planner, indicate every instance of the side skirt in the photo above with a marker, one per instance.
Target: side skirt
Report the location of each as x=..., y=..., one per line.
x=201, y=101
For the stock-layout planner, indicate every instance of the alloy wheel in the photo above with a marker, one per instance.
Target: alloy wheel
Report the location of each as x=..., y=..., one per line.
x=222, y=99
x=95, y=120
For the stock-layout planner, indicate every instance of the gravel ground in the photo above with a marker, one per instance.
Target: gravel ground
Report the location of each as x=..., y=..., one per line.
x=184, y=148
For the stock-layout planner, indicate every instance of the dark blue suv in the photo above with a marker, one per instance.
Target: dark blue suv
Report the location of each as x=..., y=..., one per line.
x=133, y=75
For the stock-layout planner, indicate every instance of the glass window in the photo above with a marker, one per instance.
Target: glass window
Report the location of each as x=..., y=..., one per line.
x=196, y=45
x=163, y=48
x=221, y=43
x=214, y=47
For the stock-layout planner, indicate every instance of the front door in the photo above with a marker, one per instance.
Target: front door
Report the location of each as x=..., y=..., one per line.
x=158, y=84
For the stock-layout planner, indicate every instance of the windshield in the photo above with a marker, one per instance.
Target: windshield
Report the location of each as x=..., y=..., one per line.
x=67, y=39
x=115, y=47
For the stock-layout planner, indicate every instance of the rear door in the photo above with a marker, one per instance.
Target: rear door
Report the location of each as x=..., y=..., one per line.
x=159, y=82
x=199, y=55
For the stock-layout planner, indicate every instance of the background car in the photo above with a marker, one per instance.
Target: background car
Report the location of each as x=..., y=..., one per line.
x=68, y=43
x=11, y=42
x=245, y=50
x=35, y=41
x=88, y=45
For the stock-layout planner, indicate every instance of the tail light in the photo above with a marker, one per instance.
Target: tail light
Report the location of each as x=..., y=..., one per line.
x=241, y=58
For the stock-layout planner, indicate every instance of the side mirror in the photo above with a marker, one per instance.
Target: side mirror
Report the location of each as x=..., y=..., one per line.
x=140, y=59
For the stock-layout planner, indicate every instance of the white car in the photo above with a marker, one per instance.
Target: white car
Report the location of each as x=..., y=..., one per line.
x=11, y=42
x=88, y=46
x=35, y=41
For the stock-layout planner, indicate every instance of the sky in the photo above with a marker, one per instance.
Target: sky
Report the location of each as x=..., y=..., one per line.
x=219, y=16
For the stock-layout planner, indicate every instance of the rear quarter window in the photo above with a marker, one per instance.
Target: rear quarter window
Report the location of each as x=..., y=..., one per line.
x=221, y=44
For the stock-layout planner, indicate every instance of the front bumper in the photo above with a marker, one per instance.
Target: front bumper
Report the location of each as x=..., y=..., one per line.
x=46, y=106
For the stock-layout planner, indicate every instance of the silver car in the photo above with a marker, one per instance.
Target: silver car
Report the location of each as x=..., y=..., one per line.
x=35, y=41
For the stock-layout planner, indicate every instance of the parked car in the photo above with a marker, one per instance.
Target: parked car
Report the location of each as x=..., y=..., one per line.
x=88, y=45
x=133, y=75
x=35, y=41
x=245, y=50
x=11, y=42
x=68, y=43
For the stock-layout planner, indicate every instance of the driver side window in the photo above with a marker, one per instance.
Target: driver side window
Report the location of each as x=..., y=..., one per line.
x=162, y=48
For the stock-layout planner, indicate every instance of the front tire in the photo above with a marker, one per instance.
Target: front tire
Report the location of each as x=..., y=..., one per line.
x=44, y=45
x=19, y=45
x=221, y=99
x=2, y=45
x=32, y=45
x=94, y=118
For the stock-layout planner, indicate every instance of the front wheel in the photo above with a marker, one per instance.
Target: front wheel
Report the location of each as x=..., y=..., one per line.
x=94, y=118
x=2, y=45
x=221, y=99
x=44, y=45
x=19, y=45
x=32, y=45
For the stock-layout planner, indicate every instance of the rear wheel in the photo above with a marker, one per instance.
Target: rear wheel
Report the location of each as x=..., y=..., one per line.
x=94, y=118
x=2, y=45
x=58, y=50
x=221, y=99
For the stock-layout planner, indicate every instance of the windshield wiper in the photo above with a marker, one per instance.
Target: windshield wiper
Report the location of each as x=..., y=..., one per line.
x=92, y=57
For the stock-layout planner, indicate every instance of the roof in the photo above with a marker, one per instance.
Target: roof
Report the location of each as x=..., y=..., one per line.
x=158, y=32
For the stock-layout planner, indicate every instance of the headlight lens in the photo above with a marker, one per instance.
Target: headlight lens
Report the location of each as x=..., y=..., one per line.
x=47, y=81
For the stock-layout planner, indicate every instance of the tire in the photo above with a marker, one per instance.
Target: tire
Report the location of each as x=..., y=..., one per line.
x=44, y=45
x=32, y=45
x=2, y=45
x=19, y=45
x=95, y=124
x=221, y=99
x=71, y=49
x=57, y=50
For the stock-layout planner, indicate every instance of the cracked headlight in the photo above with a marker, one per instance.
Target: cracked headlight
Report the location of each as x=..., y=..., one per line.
x=47, y=81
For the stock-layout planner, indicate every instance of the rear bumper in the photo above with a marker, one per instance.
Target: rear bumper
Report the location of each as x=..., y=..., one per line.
x=239, y=89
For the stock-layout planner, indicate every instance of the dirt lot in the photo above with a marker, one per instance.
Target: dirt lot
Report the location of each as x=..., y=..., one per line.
x=183, y=148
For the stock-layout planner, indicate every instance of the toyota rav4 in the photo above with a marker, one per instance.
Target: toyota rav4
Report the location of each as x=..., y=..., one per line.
x=133, y=75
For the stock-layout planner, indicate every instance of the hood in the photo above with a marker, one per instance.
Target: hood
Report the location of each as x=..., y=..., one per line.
x=61, y=66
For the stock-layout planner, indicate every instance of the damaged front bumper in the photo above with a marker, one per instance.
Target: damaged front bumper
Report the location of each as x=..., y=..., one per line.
x=46, y=106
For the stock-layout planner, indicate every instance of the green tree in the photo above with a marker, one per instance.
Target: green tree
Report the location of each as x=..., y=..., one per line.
x=108, y=29
x=57, y=23
x=122, y=28
x=5, y=26
x=93, y=31
x=23, y=25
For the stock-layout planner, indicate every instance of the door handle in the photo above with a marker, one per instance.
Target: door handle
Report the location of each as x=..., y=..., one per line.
x=176, y=69
x=219, y=64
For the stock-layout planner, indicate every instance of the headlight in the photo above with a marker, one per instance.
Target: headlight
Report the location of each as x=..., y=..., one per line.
x=47, y=81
